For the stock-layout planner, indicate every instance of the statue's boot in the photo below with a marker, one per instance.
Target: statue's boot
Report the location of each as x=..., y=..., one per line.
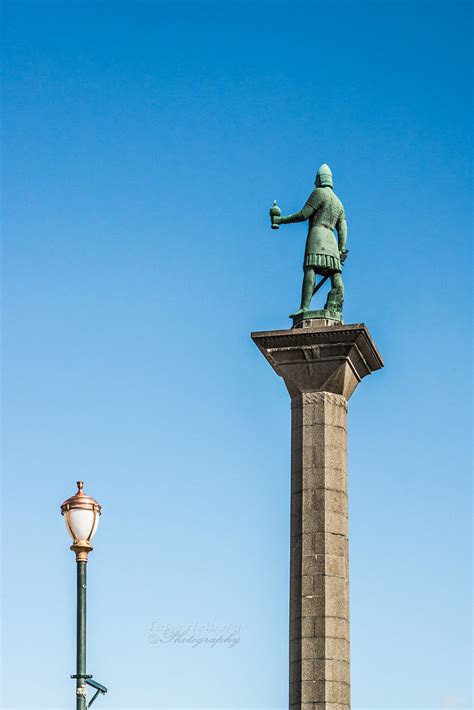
x=335, y=297
x=309, y=281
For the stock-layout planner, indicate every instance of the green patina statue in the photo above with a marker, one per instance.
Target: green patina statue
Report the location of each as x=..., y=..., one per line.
x=323, y=255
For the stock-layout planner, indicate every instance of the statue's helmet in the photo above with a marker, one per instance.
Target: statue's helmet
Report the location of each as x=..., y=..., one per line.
x=324, y=176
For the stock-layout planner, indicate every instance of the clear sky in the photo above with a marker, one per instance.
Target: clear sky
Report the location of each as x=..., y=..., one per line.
x=144, y=143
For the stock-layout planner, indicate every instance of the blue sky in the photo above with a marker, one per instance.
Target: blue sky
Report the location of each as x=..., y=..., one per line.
x=144, y=143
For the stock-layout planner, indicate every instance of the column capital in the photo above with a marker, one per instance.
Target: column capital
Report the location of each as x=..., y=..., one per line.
x=321, y=359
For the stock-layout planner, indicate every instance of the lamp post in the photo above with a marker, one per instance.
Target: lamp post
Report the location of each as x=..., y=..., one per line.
x=81, y=515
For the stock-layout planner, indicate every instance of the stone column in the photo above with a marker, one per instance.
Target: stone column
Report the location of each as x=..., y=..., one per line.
x=321, y=365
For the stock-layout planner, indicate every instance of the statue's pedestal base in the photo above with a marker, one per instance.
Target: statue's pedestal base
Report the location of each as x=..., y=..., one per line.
x=312, y=319
x=321, y=366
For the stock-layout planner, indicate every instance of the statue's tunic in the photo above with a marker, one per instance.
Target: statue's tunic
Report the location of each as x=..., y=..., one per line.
x=322, y=251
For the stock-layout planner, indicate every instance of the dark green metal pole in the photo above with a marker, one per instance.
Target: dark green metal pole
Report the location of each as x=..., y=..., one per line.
x=81, y=636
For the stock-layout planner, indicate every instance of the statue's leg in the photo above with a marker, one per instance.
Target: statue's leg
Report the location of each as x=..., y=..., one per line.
x=308, y=288
x=335, y=297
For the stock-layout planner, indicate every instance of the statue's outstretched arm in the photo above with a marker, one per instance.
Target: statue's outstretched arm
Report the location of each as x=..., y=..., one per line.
x=300, y=216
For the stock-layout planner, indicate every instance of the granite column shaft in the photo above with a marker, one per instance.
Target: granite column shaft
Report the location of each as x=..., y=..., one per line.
x=319, y=561
x=321, y=365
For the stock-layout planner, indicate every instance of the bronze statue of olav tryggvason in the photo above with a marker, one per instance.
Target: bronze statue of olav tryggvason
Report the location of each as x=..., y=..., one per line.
x=324, y=255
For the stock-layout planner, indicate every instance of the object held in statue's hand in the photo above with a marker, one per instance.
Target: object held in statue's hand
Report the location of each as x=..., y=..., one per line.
x=275, y=211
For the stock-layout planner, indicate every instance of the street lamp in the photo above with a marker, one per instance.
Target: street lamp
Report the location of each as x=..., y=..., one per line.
x=81, y=515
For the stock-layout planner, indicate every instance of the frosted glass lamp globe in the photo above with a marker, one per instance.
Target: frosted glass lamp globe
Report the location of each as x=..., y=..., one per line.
x=81, y=515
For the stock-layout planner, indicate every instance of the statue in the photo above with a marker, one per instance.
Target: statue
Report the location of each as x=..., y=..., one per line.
x=323, y=256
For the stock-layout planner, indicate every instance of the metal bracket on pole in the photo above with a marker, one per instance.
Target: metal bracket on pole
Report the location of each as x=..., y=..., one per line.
x=97, y=687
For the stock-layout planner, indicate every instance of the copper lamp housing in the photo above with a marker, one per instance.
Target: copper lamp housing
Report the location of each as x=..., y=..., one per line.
x=81, y=515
